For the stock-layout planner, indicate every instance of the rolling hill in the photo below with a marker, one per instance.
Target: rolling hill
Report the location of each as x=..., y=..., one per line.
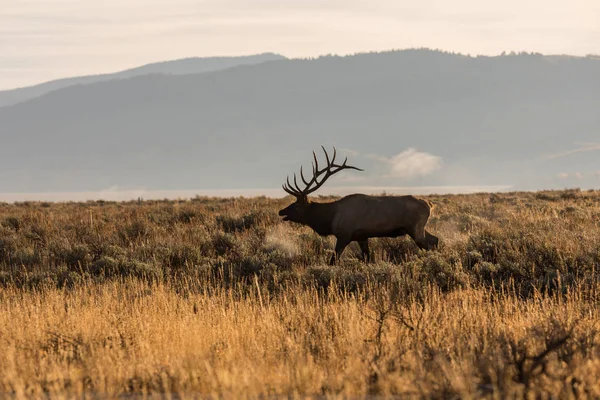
x=193, y=65
x=412, y=117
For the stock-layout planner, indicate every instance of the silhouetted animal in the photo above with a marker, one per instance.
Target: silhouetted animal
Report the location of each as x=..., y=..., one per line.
x=357, y=217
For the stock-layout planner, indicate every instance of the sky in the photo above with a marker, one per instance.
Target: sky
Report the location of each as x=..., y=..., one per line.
x=42, y=40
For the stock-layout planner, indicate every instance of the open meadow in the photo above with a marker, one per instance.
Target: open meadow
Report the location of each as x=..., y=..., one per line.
x=220, y=297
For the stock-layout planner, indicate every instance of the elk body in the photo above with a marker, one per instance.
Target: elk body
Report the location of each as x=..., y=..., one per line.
x=357, y=217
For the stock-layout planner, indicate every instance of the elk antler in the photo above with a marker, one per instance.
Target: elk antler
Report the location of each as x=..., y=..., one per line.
x=330, y=169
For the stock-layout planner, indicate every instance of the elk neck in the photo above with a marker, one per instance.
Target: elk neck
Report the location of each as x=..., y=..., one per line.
x=319, y=217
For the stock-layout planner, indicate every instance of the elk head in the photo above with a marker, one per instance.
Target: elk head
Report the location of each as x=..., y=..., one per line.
x=296, y=212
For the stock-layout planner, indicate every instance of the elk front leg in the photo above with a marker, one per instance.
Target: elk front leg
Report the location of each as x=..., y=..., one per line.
x=364, y=246
x=340, y=245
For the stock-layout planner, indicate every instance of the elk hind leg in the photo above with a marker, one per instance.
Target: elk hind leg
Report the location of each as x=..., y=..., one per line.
x=420, y=237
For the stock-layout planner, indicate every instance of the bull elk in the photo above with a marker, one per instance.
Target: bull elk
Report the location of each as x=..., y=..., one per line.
x=356, y=217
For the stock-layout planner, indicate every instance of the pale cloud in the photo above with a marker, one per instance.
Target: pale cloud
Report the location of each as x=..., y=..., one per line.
x=58, y=38
x=583, y=147
x=578, y=175
x=410, y=164
x=352, y=178
x=350, y=152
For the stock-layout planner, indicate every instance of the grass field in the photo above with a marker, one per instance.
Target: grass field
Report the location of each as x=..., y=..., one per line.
x=219, y=297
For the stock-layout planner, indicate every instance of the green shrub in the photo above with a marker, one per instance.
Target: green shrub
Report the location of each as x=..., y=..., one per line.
x=27, y=256
x=109, y=267
x=134, y=231
x=13, y=223
x=397, y=250
x=8, y=247
x=182, y=257
x=251, y=220
x=73, y=255
x=223, y=243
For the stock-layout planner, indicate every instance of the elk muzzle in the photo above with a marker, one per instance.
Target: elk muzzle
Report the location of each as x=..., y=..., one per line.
x=288, y=212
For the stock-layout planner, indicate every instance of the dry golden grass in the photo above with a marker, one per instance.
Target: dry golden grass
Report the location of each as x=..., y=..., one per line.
x=217, y=297
x=131, y=337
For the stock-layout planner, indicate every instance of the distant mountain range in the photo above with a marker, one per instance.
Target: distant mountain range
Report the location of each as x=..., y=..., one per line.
x=177, y=67
x=409, y=118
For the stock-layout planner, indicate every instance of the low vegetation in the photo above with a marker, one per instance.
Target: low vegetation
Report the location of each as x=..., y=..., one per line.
x=219, y=297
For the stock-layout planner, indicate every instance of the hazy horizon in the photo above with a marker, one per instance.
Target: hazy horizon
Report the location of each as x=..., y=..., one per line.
x=113, y=194
x=64, y=38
